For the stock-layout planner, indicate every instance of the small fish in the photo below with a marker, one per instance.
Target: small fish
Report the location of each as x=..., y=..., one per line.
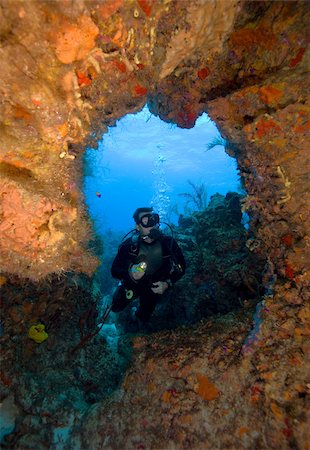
x=98, y=194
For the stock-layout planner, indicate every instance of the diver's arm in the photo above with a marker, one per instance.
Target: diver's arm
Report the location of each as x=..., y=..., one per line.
x=121, y=264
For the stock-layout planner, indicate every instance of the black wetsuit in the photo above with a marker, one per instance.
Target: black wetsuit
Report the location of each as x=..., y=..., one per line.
x=165, y=262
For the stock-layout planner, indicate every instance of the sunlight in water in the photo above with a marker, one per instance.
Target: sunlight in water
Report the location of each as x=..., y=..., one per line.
x=145, y=161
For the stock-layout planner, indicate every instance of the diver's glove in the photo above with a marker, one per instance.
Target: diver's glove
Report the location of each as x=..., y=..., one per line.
x=159, y=287
x=137, y=271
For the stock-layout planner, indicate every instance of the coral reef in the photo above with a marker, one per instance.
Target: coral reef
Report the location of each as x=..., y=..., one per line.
x=222, y=273
x=196, y=388
x=68, y=71
x=54, y=380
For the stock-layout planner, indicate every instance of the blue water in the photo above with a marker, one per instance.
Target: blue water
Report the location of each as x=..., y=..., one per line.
x=143, y=159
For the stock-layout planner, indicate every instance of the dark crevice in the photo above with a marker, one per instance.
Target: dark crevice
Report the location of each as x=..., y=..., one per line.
x=15, y=173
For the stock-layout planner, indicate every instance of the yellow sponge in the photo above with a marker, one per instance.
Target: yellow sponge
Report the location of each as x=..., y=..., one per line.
x=37, y=333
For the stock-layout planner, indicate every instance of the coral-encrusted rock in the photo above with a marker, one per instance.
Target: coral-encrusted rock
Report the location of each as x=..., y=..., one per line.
x=80, y=70
x=195, y=388
x=70, y=70
x=55, y=380
x=40, y=232
x=222, y=273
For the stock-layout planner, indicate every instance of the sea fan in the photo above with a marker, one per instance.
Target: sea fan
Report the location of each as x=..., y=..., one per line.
x=198, y=197
x=218, y=140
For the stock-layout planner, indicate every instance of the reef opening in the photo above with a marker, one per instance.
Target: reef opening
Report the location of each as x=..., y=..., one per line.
x=70, y=70
x=144, y=161
x=147, y=161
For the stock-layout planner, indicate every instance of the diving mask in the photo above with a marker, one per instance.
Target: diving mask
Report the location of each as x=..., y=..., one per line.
x=149, y=220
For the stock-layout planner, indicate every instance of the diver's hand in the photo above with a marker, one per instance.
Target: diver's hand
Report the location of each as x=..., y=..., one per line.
x=135, y=272
x=159, y=287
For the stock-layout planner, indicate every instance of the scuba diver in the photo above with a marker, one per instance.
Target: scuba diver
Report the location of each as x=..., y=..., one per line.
x=147, y=263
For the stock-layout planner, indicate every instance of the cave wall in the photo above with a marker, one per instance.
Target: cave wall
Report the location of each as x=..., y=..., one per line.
x=71, y=69
x=68, y=71
x=257, y=93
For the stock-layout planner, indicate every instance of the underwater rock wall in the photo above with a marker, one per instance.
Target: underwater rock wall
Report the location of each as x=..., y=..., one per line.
x=198, y=388
x=222, y=273
x=50, y=378
x=69, y=70
x=257, y=92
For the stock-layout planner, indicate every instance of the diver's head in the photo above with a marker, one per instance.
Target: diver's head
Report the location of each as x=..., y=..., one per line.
x=146, y=221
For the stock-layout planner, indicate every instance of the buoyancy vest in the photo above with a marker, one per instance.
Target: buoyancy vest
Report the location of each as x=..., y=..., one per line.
x=152, y=254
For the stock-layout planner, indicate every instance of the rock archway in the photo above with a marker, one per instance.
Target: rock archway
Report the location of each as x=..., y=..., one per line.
x=70, y=69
